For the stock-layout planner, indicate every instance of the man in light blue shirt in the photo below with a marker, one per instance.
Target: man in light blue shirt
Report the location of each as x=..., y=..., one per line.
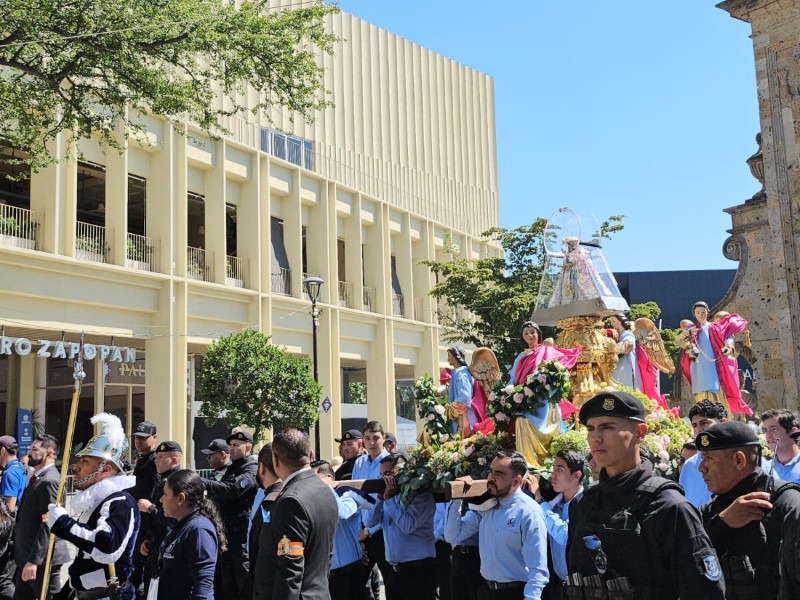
x=408, y=538
x=781, y=427
x=346, y=560
x=703, y=415
x=513, y=534
x=568, y=468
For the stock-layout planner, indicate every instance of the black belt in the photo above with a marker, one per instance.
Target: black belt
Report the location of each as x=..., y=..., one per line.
x=466, y=549
x=396, y=567
x=504, y=585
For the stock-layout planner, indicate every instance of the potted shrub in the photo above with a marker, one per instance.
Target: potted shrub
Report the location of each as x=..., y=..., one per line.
x=138, y=257
x=89, y=248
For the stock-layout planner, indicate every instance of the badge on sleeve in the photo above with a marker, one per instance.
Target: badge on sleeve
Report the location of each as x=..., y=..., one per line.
x=283, y=546
x=712, y=570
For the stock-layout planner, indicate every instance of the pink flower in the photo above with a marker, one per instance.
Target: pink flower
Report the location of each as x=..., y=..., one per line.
x=509, y=389
x=431, y=417
x=454, y=456
x=528, y=392
x=518, y=398
x=439, y=409
x=492, y=396
x=469, y=450
x=541, y=378
x=501, y=416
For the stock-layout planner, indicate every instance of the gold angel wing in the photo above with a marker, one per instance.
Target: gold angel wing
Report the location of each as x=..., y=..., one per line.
x=485, y=368
x=648, y=336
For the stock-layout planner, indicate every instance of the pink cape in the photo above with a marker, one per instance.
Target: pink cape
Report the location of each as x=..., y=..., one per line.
x=727, y=371
x=649, y=376
x=541, y=353
x=483, y=424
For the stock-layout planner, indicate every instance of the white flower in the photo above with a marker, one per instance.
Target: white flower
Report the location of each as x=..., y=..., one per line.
x=662, y=466
x=431, y=417
x=439, y=409
x=528, y=392
x=509, y=389
x=481, y=461
x=518, y=398
x=501, y=416
x=454, y=456
x=663, y=454
x=492, y=396
x=443, y=437
x=542, y=378
x=469, y=450
x=547, y=386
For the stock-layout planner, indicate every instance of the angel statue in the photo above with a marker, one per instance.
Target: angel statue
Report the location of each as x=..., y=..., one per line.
x=708, y=360
x=459, y=391
x=535, y=431
x=468, y=390
x=641, y=355
x=485, y=371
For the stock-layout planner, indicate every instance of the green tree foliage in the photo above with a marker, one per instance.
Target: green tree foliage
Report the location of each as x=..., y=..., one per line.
x=358, y=392
x=86, y=65
x=246, y=380
x=497, y=293
x=650, y=309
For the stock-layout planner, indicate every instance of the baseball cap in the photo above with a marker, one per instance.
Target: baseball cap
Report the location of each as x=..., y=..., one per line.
x=145, y=429
x=218, y=445
x=350, y=434
x=390, y=437
x=8, y=442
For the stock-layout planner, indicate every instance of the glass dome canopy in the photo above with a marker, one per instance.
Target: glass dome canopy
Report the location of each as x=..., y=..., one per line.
x=576, y=280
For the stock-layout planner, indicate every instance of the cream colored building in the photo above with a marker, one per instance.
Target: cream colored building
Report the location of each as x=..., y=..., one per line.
x=182, y=239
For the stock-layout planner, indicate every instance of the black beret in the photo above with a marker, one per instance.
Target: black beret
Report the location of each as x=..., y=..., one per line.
x=612, y=404
x=169, y=447
x=352, y=434
x=242, y=436
x=731, y=434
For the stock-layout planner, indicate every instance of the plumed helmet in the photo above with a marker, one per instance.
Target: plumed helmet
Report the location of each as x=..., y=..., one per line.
x=110, y=444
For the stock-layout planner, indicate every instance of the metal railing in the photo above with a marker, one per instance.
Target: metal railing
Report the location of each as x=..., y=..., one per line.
x=17, y=227
x=345, y=294
x=197, y=264
x=398, y=305
x=417, y=305
x=368, y=297
x=281, y=281
x=139, y=253
x=235, y=271
x=446, y=314
x=292, y=149
x=90, y=242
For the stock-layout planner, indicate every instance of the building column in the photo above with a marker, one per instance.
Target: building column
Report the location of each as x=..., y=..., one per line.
x=116, y=201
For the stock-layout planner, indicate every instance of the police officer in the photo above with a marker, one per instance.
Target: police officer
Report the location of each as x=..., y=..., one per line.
x=218, y=456
x=234, y=495
x=634, y=535
x=350, y=447
x=753, y=521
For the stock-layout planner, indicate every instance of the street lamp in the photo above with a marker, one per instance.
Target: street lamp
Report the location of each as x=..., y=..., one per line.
x=313, y=285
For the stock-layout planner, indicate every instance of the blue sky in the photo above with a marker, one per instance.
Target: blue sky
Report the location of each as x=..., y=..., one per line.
x=633, y=107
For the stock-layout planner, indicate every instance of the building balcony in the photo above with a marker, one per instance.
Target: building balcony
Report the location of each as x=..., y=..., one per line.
x=398, y=305
x=281, y=281
x=90, y=243
x=17, y=227
x=345, y=294
x=139, y=254
x=197, y=266
x=235, y=272
x=368, y=298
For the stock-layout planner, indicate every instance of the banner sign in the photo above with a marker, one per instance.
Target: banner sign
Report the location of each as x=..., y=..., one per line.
x=48, y=349
x=23, y=430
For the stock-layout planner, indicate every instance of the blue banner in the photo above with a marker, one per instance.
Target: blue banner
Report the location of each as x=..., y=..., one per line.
x=23, y=430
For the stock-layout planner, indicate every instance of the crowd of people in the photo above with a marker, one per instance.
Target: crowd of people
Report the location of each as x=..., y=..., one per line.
x=282, y=525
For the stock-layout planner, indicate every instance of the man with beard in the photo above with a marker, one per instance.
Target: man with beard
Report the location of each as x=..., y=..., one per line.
x=219, y=458
x=105, y=529
x=31, y=535
x=512, y=536
x=350, y=448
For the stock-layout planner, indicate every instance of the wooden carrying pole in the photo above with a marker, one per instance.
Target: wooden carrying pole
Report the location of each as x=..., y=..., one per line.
x=79, y=375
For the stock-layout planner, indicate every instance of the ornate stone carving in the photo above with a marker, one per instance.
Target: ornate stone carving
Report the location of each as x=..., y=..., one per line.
x=756, y=164
x=598, y=355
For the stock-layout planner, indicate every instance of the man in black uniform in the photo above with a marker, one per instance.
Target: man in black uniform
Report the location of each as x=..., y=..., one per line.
x=753, y=520
x=634, y=535
x=350, y=448
x=218, y=455
x=145, y=439
x=234, y=494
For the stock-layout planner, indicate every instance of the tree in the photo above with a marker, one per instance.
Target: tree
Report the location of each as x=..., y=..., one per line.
x=246, y=380
x=85, y=66
x=650, y=309
x=498, y=293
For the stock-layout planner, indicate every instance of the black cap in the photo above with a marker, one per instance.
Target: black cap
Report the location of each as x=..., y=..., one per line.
x=218, y=445
x=169, y=447
x=145, y=429
x=390, y=437
x=242, y=436
x=613, y=404
x=730, y=434
x=350, y=434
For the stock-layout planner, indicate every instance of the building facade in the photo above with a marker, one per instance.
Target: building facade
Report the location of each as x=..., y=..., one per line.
x=155, y=252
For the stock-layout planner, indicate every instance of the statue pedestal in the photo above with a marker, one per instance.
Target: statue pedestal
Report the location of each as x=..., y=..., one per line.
x=598, y=355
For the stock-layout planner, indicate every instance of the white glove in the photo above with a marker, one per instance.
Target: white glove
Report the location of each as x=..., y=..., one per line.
x=360, y=501
x=53, y=514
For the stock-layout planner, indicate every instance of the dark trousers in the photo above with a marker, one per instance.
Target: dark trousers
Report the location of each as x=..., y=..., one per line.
x=485, y=593
x=233, y=572
x=31, y=590
x=414, y=581
x=344, y=583
x=443, y=570
x=465, y=573
x=376, y=553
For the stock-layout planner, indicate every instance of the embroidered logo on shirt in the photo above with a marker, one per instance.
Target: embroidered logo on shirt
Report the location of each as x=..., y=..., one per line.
x=511, y=522
x=712, y=569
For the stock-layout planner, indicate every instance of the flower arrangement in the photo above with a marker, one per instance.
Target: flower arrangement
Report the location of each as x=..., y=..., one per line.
x=549, y=383
x=431, y=467
x=431, y=410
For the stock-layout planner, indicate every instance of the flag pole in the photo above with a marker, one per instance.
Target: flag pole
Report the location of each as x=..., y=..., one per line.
x=79, y=375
